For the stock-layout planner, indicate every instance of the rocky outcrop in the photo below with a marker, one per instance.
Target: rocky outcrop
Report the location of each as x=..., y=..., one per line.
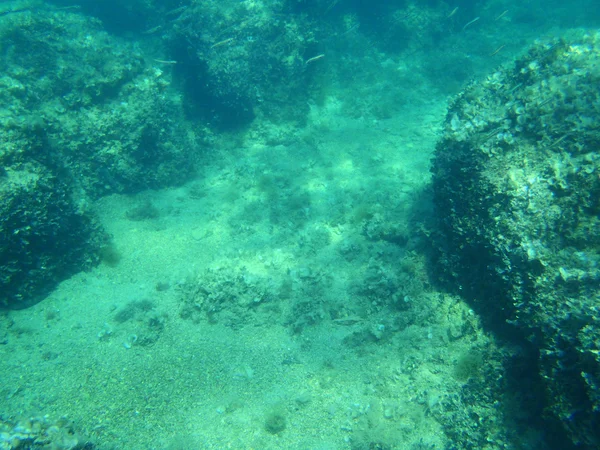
x=517, y=191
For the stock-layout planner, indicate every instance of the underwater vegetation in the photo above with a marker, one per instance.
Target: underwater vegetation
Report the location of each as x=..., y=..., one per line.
x=275, y=422
x=40, y=433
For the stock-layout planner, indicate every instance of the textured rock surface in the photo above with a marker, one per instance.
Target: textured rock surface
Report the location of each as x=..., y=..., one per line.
x=81, y=116
x=44, y=238
x=241, y=59
x=517, y=191
x=89, y=106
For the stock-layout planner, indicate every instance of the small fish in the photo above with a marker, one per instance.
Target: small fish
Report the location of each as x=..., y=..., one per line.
x=452, y=13
x=221, y=43
x=471, y=22
x=501, y=15
x=497, y=50
x=315, y=58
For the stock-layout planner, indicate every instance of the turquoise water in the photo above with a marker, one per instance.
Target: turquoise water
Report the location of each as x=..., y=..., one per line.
x=255, y=225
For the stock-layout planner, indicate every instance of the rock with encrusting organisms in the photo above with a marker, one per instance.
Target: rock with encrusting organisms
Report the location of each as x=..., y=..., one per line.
x=517, y=194
x=44, y=237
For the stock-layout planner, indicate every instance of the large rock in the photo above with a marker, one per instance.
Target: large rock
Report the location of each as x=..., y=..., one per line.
x=44, y=237
x=89, y=106
x=517, y=191
x=82, y=114
x=242, y=59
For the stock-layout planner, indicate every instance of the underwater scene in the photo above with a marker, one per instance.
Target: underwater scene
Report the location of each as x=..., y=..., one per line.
x=300, y=224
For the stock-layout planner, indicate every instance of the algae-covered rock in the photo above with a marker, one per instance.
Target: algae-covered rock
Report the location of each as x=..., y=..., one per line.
x=242, y=59
x=44, y=238
x=517, y=191
x=82, y=114
x=89, y=105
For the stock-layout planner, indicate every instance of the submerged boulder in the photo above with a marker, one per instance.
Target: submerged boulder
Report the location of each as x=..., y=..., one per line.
x=83, y=114
x=516, y=181
x=91, y=107
x=44, y=237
